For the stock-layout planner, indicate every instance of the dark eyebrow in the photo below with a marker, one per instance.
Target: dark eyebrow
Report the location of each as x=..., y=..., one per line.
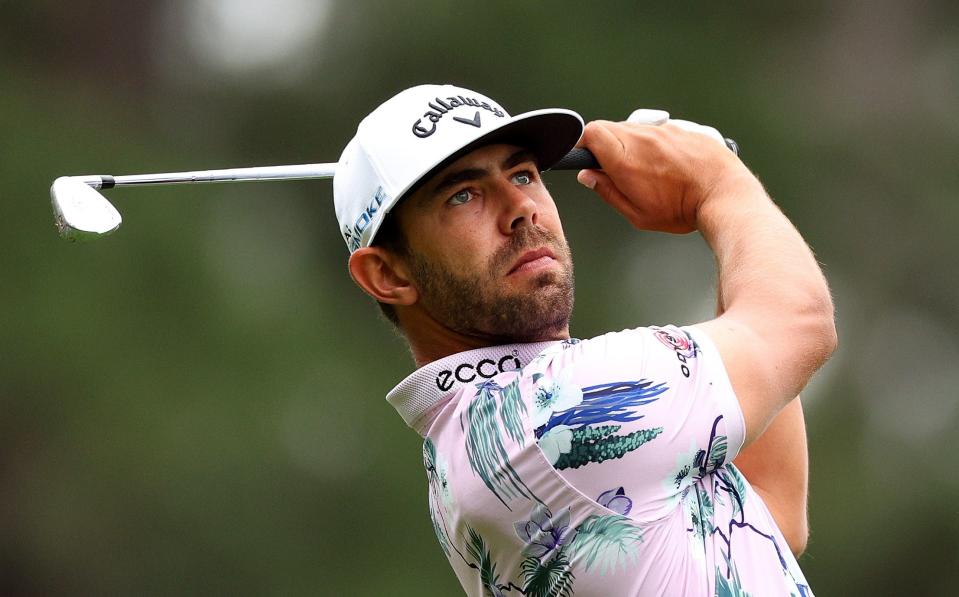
x=454, y=178
x=523, y=155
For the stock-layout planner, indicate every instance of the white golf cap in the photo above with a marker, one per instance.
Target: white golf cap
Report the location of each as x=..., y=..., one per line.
x=422, y=130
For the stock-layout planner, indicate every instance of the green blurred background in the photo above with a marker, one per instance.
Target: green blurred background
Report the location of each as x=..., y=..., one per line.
x=195, y=404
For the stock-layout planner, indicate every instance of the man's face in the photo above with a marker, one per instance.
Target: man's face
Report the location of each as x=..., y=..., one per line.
x=487, y=250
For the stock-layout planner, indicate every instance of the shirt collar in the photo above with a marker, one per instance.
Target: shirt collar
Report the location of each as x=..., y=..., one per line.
x=417, y=397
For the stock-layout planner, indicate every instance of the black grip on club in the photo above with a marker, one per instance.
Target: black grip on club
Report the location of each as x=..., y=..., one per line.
x=580, y=158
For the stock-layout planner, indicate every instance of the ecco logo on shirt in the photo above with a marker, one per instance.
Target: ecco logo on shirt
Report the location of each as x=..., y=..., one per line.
x=467, y=372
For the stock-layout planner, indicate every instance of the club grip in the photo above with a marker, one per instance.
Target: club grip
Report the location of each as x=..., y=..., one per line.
x=580, y=158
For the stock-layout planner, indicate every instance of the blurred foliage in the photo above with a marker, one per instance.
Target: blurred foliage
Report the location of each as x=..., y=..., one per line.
x=194, y=405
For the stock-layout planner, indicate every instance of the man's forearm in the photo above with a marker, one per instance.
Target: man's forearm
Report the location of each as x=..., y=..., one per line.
x=765, y=266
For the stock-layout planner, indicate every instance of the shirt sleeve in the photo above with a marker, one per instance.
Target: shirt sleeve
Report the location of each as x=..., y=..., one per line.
x=688, y=413
x=702, y=385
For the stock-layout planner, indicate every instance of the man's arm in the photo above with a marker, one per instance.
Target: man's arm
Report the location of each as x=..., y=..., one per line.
x=778, y=328
x=777, y=467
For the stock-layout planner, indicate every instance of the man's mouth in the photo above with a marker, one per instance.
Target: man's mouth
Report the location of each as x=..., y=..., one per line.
x=532, y=260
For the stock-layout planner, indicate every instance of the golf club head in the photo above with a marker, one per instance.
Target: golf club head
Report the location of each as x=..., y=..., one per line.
x=80, y=212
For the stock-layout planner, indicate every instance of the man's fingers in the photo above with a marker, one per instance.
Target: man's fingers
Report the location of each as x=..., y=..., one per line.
x=600, y=140
x=599, y=182
x=602, y=185
x=587, y=178
x=656, y=176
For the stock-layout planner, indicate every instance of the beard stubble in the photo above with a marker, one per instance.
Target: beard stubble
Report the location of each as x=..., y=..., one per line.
x=477, y=304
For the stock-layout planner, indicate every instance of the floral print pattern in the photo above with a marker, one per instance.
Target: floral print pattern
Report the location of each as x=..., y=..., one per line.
x=615, y=500
x=481, y=477
x=487, y=435
x=556, y=442
x=558, y=396
x=543, y=533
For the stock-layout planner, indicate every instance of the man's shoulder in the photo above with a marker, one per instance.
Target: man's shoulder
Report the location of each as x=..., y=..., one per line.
x=426, y=388
x=416, y=396
x=629, y=341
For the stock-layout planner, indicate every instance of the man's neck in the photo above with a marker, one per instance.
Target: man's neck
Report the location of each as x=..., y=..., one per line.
x=426, y=351
x=430, y=341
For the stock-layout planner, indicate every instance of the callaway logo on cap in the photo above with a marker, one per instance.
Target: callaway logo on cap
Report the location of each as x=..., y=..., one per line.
x=422, y=130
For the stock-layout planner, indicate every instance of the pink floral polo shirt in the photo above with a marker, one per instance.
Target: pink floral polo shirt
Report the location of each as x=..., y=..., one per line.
x=600, y=467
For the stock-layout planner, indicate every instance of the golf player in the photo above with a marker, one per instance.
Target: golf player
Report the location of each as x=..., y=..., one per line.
x=656, y=460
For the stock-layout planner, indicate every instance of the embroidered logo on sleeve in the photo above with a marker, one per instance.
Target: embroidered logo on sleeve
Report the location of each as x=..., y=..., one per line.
x=681, y=343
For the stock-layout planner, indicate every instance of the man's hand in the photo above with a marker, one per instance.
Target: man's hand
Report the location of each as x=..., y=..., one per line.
x=658, y=176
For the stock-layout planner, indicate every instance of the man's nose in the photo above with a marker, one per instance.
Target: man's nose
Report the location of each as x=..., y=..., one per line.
x=519, y=208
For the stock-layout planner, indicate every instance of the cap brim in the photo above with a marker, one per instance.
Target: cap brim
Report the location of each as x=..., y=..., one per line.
x=549, y=133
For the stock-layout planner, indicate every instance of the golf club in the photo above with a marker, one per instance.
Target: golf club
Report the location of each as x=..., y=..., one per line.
x=81, y=213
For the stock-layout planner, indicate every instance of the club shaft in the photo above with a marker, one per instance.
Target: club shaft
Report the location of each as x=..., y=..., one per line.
x=295, y=172
x=579, y=158
x=576, y=159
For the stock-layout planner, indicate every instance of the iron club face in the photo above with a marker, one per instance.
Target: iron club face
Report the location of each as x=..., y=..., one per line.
x=79, y=211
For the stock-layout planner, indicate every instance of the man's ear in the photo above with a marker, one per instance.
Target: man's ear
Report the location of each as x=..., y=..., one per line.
x=383, y=276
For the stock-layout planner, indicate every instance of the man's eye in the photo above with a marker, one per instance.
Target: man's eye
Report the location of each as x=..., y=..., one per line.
x=460, y=197
x=522, y=178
